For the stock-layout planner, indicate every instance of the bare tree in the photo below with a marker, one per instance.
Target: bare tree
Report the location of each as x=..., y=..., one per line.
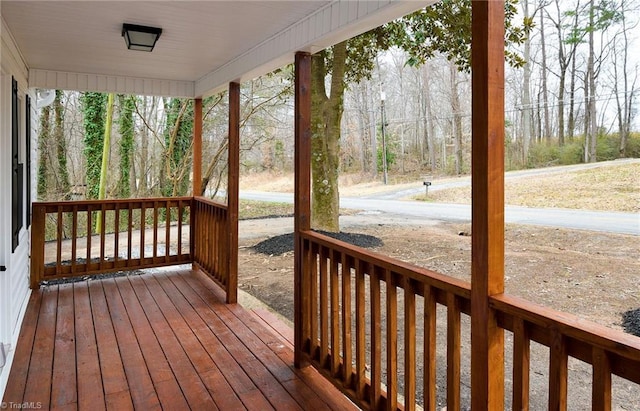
x=624, y=87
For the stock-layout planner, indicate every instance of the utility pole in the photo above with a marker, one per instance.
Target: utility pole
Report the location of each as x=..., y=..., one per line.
x=384, y=142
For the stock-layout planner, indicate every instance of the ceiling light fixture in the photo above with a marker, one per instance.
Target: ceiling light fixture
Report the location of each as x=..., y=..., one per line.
x=141, y=38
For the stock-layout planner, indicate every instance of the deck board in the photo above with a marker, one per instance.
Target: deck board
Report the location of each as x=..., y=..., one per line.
x=163, y=340
x=87, y=360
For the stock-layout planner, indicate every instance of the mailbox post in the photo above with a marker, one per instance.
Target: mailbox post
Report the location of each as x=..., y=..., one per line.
x=426, y=187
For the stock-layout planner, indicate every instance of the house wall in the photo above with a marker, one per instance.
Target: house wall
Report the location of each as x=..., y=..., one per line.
x=14, y=281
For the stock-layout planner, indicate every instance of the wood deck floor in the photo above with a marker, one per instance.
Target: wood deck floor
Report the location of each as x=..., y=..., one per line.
x=157, y=341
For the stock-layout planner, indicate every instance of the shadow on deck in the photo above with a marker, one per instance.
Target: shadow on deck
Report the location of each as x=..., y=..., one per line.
x=163, y=340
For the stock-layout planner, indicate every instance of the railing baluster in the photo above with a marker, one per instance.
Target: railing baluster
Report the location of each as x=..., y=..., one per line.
x=347, y=369
x=335, y=312
x=376, y=338
x=453, y=353
x=215, y=261
x=215, y=249
x=103, y=230
x=221, y=254
x=143, y=227
x=313, y=304
x=116, y=233
x=558, y=369
x=74, y=239
x=129, y=234
x=155, y=230
x=59, y=241
x=167, y=239
x=392, y=341
x=223, y=240
x=324, y=307
x=180, y=210
x=409, y=345
x=360, y=330
x=195, y=233
x=430, y=316
x=204, y=228
x=306, y=297
x=89, y=235
x=521, y=351
x=601, y=387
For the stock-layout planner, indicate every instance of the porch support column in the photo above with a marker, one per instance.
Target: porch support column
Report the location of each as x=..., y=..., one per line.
x=197, y=147
x=302, y=198
x=487, y=204
x=233, y=183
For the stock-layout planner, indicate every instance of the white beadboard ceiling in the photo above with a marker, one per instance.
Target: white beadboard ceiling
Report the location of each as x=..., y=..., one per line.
x=204, y=44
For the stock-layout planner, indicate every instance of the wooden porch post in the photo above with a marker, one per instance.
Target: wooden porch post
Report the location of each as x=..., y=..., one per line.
x=196, y=183
x=197, y=148
x=233, y=184
x=487, y=204
x=302, y=198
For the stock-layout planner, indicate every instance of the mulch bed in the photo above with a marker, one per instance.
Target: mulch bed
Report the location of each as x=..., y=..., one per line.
x=281, y=244
x=631, y=322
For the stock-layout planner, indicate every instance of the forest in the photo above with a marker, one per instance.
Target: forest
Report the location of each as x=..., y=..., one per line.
x=399, y=99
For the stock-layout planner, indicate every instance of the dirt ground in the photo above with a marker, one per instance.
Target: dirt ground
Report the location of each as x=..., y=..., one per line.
x=592, y=275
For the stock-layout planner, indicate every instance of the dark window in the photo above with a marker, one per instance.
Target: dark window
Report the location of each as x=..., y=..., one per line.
x=28, y=157
x=17, y=172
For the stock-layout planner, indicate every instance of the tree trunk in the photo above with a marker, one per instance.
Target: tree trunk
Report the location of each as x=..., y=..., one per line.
x=545, y=93
x=325, y=137
x=43, y=138
x=126, y=127
x=457, y=117
x=106, y=147
x=624, y=107
x=526, y=93
x=94, y=105
x=591, y=138
x=61, y=145
x=571, y=124
x=363, y=141
x=373, y=158
x=429, y=131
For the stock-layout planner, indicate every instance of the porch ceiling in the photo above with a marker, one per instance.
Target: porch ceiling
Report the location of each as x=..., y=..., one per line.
x=204, y=44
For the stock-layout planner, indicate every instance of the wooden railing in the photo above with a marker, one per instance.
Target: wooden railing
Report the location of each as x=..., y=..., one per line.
x=138, y=233
x=210, y=239
x=369, y=320
x=609, y=352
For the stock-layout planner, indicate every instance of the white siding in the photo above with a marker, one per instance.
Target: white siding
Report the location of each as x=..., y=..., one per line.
x=57, y=80
x=14, y=282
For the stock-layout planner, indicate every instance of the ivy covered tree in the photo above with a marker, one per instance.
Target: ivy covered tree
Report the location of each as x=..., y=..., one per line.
x=94, y=111
x=43, y=138
x=443, y=28
x=61, y=145
x=125, y=149
x=178, y=137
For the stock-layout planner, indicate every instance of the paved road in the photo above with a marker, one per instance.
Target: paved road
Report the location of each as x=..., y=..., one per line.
x=388, y=203
x=612, y=222
x=510, y=175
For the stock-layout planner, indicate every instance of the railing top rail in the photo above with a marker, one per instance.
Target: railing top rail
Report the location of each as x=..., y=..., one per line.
x=596, y=335
x=209, y=201
x=440, y=281
x=109, y=201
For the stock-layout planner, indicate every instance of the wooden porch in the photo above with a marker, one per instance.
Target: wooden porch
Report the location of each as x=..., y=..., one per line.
x=168, y=340
x=164, y=340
